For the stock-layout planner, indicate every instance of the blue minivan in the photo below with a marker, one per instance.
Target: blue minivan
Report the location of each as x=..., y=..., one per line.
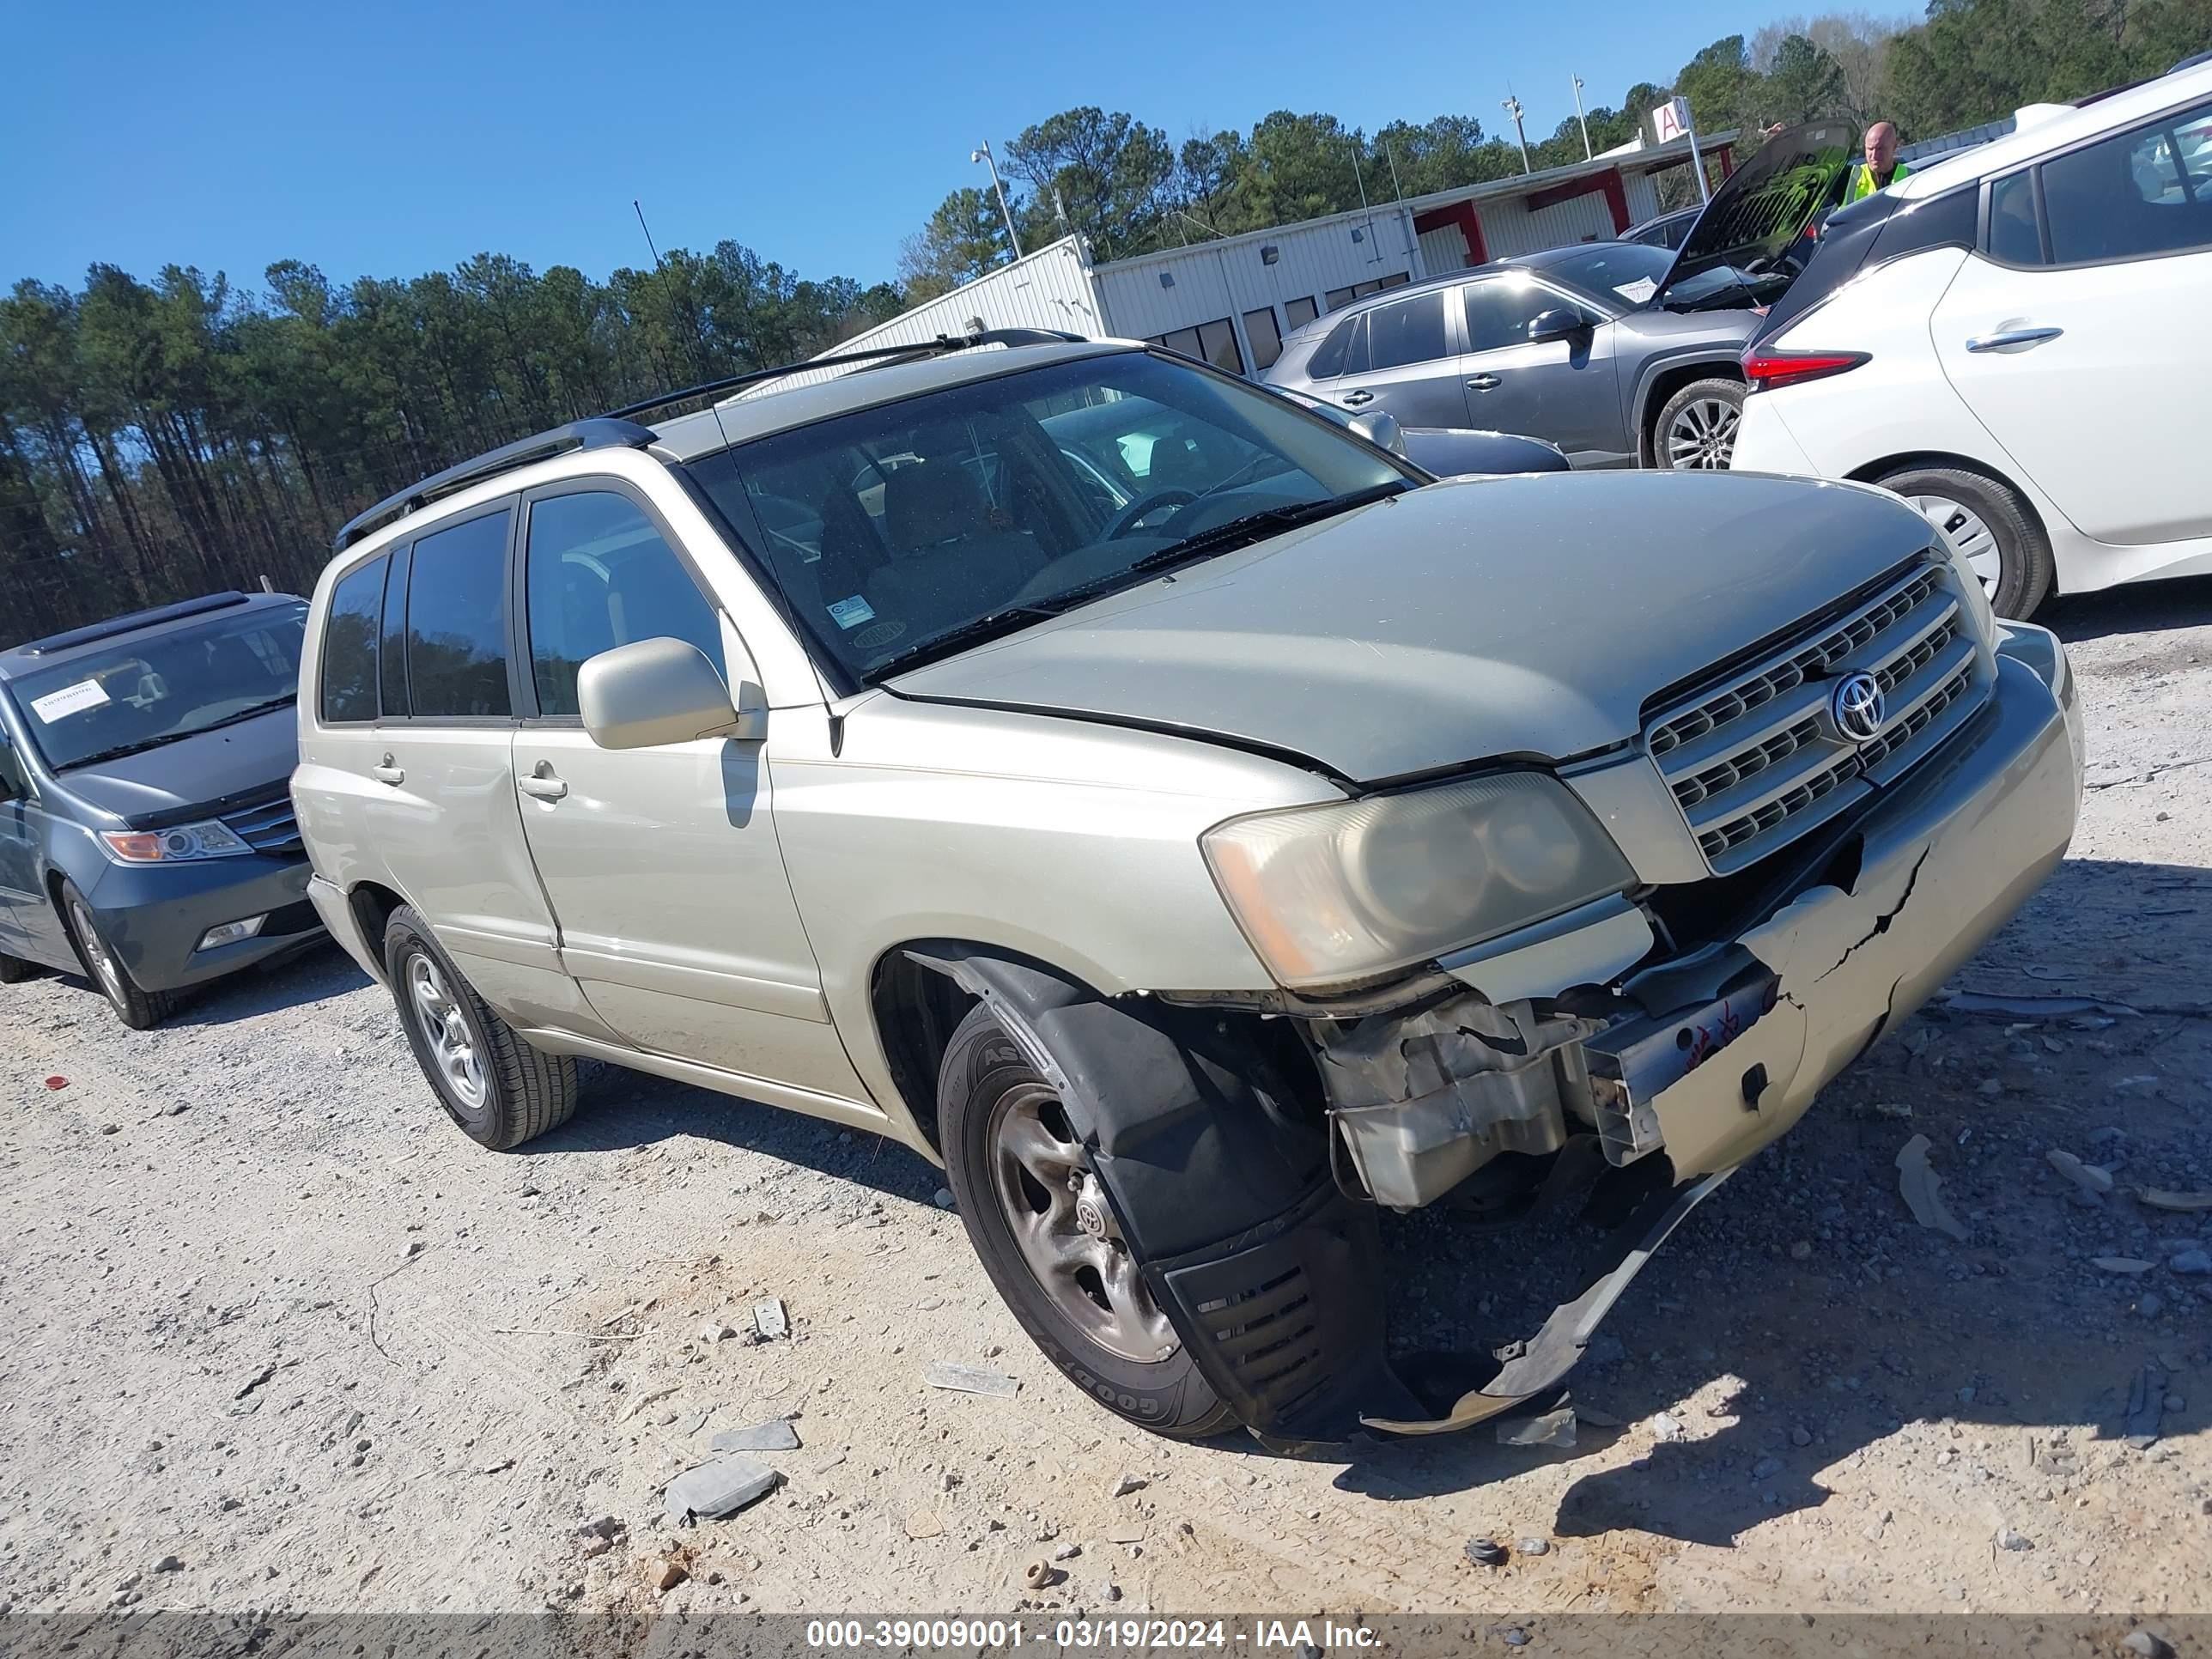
x=146, y=831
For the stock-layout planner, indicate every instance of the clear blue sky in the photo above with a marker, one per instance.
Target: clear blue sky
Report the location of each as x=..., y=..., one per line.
x=388, y=139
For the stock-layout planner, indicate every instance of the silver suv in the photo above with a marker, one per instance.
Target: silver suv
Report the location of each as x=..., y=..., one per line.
x=1192, y=825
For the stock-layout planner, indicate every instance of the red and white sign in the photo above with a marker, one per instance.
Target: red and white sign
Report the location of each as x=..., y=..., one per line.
x=1671, y=119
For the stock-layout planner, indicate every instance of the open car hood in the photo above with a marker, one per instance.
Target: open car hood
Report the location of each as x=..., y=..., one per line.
x=1764, y=205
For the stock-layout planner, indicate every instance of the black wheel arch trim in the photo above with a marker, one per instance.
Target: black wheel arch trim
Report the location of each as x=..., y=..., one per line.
x=1643, y=407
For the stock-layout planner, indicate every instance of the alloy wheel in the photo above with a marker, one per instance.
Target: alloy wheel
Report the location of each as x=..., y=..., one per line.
x=453, y=1047
x=1066, y=1229
x=1702, y=435
x=104, y=965
x=1969, y=536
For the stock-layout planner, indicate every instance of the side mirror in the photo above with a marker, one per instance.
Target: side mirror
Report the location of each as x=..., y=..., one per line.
x=657, y=691
x=1380, y=427
x=1560, y=323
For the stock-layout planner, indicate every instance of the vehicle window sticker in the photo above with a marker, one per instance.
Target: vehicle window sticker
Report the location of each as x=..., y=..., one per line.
x=69, y=700
x=1637, y=292
x=851, y=613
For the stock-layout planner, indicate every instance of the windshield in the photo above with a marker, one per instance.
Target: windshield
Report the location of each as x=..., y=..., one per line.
x=155, y=688
x=892, y=530
x=1615, y=273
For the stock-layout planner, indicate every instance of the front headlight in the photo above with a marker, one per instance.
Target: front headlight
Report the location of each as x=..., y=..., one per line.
x=1354, y=889
x=180, y=844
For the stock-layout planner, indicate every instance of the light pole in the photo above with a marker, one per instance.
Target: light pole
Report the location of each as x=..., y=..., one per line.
x=1579, y=121
x=982, y=153
x=1512, y=107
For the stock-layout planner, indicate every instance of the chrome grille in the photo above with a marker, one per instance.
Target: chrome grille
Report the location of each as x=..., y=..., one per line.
x=1752, y=755
x=272, y=828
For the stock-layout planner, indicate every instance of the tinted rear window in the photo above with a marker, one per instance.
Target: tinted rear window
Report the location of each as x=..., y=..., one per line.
x=1413, y=332
x=349, y=691
x=457, y=621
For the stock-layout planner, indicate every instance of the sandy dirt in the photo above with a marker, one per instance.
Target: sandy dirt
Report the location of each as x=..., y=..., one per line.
x=276, y=1335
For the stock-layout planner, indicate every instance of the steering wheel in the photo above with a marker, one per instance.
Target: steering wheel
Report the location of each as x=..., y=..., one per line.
x=1143, y=507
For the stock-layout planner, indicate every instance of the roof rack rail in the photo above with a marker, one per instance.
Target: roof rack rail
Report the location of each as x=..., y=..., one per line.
x=618, y=427
x=913, y=350
x=131, y=623
x=600, y=432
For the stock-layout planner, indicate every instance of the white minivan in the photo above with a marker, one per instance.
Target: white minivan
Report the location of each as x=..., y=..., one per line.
x=2018, y=340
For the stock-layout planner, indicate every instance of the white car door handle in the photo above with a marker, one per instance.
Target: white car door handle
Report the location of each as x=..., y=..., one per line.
x=2012, y=336
x=1355, y=398
x=385, y=771
x=544, y=784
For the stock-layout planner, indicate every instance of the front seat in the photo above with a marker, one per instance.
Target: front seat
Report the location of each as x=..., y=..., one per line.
x=949, y=559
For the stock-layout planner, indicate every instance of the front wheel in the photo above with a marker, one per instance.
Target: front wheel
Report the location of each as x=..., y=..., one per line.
x=1049, y=1238
x=1987, y=525
x=499, y=1089
x=140, y=1010
x=1696, y=429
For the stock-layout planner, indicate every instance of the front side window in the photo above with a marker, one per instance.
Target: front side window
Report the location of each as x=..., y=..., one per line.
x=350, y=644
x=457, y=621
x=599, y=575
x=139, y=693
x=2135, y=195
x=1412, y=331
x=1498, y=312
x=1022, y=495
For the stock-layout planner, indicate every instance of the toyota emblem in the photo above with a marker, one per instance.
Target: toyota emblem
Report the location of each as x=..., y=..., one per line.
x=1857, y=707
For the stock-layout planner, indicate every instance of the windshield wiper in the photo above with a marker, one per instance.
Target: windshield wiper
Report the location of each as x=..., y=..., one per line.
x=143, y=743
x=244, y=713
x=988, y=626
x=1250, y=526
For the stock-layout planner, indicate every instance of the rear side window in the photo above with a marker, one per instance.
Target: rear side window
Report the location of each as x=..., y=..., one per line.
x=1344, y=351
x=457, y=621
x=599, y=575
x=2013, y=237
x=349, y=689
x=393, y=670
x=1413, y=332
x=2136, y=195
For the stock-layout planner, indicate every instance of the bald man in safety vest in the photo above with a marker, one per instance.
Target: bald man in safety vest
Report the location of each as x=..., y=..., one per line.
x=1881, y=168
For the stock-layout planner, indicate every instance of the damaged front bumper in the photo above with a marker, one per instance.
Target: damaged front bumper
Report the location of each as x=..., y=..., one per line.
x=1723, y=1049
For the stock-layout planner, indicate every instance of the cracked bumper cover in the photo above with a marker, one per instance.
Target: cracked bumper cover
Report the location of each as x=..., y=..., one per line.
x=1948, y=854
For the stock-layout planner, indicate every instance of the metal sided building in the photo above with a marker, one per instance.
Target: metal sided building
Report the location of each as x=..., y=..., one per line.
x=1231, y=300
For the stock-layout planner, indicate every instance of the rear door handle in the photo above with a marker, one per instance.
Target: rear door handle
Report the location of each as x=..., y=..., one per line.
x=385, y=772
x=1482, y=383
x=2012, y=336
x=542, y=784
x=1355, y=399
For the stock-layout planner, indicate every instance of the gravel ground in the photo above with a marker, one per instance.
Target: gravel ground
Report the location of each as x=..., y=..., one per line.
x=279, y=1337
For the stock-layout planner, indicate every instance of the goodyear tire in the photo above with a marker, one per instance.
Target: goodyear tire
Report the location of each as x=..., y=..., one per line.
x=1048, y=1239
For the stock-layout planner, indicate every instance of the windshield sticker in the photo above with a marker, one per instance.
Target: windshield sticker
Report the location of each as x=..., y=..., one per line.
x=1637, y=292
x=851, y=613
x=882, y=634
x=69, y=700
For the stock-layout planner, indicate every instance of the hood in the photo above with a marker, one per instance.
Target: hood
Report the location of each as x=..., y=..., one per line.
x=1765, y=204
x=1463, y=621
x=194, y=777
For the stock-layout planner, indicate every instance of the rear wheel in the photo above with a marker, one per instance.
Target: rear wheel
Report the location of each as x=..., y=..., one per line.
x=139, y=1010
x=1696, y=429
x=499, y=1089
x=1985, y=524
x=1049, y=1239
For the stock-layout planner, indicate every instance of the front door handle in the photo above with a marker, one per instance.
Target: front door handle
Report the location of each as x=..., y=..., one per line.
x=385, y=772
x=2012, y=336
x=1355, y=399
x=1483, y=383
x=543, y=783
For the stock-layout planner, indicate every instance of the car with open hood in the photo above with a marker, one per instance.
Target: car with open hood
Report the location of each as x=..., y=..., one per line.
x=1623, y=353
x=1198, y=869
x=146, y=833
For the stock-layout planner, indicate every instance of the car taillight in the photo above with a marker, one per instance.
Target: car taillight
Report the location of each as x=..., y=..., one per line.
x=1765, y=368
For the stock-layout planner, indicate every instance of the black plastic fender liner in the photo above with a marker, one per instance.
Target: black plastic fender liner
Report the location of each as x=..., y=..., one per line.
x=1271, y=1277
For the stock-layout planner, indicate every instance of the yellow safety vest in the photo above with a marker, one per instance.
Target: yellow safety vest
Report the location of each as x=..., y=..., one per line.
x=1862, y=184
